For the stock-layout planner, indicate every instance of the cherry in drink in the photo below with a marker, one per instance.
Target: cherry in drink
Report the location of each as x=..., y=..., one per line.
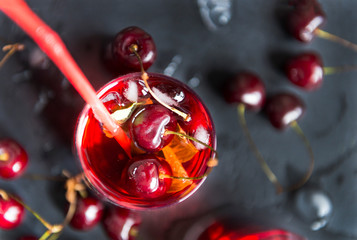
x=170, y=153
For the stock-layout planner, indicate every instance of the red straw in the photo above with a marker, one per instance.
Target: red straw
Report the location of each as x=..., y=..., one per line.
x=49, y=41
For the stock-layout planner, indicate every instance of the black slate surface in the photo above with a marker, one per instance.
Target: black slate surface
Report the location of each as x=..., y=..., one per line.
x=255, y=40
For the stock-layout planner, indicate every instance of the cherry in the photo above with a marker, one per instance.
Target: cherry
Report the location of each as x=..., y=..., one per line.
x=284, y=109
x=305, y=70
x=120, y=56
x=246, y=88
x=121, y=223
x=141, y=177
x=88, y=213
x=149, y=125
x=11, y=213
x=13, y=159
x=306, y=17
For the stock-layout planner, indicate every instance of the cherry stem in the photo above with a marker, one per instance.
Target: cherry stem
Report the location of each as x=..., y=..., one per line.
x=4, y=195
x=134, y=49
x=268, y=172
x=325, y=35
x=134, y=232
x=50, y=42
x=263, y=164
x=162, y=176
x=340, y=69
x=35, y=214
x=308, y=173
x=167, y=132
x=54, y=236
x=11, y=48
x=73, y=185
x=211, y=163
x=46, y=235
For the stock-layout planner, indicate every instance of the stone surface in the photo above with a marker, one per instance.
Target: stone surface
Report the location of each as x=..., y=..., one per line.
x=254, y=39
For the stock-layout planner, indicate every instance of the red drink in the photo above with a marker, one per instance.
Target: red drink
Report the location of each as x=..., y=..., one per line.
x=112, y=174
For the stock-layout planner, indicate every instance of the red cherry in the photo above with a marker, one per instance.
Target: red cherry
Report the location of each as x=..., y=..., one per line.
x=121, y=224
x=149, y=125
x=13, y=159
x=121, y=57
x=306, y=17
x=11, y=213
x=283, y=109
x=88, y=213
x=305, y=70
x=246, y=88
x=142, y=177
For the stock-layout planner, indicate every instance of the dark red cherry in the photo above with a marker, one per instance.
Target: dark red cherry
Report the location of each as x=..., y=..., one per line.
x=149, y=125
x=283, y=109
x=305, y=70
x=28, y=238
x=88, y=213
x=121, y=223
x=246, y=88
x=305, y=18
x=123, y=58
x=11, y=213
x=141, y=177
x=13, y=159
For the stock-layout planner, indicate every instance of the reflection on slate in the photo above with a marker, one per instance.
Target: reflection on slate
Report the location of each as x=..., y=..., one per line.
x=38, y=108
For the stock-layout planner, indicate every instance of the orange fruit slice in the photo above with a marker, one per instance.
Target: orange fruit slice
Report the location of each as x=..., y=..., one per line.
x=183, y=148
x=177, y=170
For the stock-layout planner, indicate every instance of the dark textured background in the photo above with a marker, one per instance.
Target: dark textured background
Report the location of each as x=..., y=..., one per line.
x=255, y=40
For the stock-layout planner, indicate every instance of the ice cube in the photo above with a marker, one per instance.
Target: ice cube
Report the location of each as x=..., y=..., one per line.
x=164, y=97
x=112, y=101
x=112, y=96
x=131, y=93
x=202, y=135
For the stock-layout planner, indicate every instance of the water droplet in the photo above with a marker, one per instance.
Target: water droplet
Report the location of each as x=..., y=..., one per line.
x=38, y=59
x=21, y=76
x=194, y=82
x=42, y=102
x=173, y=65
x=314, y=206
x=215, y=13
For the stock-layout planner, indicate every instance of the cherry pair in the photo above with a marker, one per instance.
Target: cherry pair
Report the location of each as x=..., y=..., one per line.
x=283, y=110
x=306, y=70
x=248, y=90
x=118, y=223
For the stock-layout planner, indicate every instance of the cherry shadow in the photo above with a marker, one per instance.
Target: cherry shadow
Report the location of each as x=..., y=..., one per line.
x=278, y=60
x=282, y=11
x=218, y=79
